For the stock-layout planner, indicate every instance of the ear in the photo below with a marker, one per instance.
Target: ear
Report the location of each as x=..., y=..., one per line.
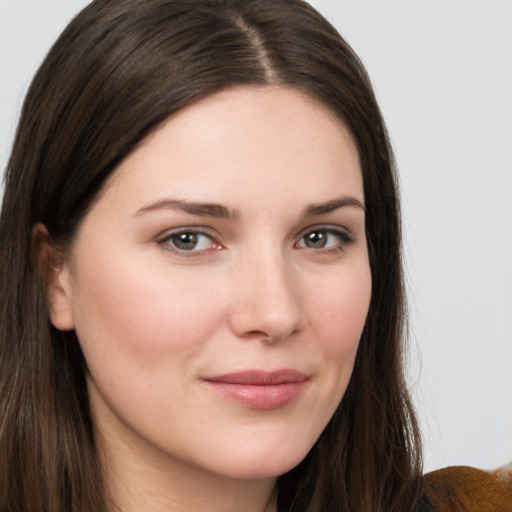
x=55, y=272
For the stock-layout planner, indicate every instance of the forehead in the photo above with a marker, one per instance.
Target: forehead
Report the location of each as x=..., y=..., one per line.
x=248, y=141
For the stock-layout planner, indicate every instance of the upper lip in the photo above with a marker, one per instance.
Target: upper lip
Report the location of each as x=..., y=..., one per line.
x=260, y=377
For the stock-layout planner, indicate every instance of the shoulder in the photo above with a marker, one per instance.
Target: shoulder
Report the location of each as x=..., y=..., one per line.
x=463, y=488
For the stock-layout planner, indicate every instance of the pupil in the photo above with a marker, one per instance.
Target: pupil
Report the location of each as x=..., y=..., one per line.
x=186, y=241
x=317, y=239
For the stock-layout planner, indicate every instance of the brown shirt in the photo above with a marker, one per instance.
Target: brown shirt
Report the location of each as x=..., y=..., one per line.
x=467, y=489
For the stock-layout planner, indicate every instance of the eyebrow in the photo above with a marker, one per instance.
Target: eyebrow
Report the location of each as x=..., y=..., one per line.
x=222, y=212
x=202, y=209
x=334, y=204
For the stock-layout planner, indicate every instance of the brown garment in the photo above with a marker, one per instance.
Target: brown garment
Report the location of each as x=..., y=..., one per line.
x=467, y=489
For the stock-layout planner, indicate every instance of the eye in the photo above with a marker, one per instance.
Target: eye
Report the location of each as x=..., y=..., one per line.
x=188, y=240
x=324, y=238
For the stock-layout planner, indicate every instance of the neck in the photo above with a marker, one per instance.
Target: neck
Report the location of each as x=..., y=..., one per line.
x=133, y=491
x=141, y=478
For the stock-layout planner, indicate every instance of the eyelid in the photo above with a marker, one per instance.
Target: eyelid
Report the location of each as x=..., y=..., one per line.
x=168, y=234
x=333, y=228
x=346, y=236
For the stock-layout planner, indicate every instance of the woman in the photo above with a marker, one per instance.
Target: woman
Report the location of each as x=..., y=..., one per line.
x=202, y=302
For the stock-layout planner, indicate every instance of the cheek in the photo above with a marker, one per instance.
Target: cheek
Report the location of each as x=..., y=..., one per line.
x=147, y=317
x=341, y=312
x=338, y=314
x=141, y=334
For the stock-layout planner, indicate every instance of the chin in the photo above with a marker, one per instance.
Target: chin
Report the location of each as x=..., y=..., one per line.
x=261, y=467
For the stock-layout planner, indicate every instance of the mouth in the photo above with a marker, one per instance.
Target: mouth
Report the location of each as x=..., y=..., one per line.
x=261, y=390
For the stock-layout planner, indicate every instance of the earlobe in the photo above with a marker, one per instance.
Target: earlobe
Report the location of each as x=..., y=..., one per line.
x=55, y=274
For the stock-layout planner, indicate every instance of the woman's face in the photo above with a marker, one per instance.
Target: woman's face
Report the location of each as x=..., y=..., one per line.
x=220, y=283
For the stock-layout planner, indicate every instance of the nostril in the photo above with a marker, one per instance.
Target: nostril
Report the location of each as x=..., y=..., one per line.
x=261, y=335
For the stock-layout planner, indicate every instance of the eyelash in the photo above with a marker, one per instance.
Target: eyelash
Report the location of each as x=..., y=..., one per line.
x=345, y=238
x=165, y=241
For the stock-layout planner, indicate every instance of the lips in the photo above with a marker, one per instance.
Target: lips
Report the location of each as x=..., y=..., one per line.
x=259, y=389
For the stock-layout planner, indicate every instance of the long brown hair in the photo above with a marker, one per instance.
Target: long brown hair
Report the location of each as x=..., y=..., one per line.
x=119, y=70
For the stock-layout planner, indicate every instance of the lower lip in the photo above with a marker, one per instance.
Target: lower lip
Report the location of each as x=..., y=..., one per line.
x=262, y=397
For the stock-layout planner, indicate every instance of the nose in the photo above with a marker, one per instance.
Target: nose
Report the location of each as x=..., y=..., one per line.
x=266, y=300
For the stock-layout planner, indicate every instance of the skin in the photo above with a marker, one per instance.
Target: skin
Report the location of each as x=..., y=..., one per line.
x=260, y=290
